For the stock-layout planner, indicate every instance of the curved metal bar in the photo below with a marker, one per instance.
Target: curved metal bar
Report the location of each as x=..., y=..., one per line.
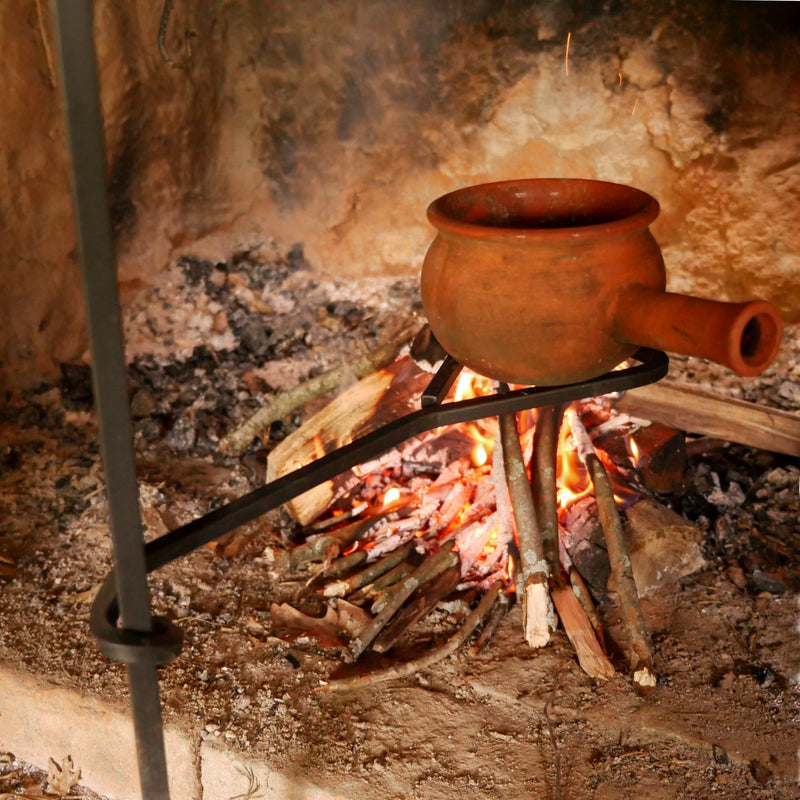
x=172, y=545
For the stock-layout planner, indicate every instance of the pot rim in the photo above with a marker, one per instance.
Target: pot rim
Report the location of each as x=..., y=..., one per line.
x=639, y=209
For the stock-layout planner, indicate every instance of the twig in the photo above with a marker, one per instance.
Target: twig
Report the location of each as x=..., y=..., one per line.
x=279, y=406
x=537, y=609
x=433, y=565
x=431, y=657
x=495, y=618
x=639, y=651
x=345, y=586
x=373, y=589
x=424, y=600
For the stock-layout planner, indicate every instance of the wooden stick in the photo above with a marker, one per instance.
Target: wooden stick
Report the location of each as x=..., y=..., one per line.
x=279, y=406
x=390, y=578
x=543, y=481
x=695, y=411
x=495, y=618
x=342, y=565
x=584, y=596
x=431, y=657
x=433, y=565
x=639, y=651
x=421, y=604
x=345, y=586
x=327, y=546
x=577, y=625
x=537, y=609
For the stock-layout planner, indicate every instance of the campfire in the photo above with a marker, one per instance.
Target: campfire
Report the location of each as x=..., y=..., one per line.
x=480, y=512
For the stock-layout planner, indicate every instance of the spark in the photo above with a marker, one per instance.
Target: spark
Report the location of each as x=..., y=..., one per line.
x=566, y=54
x=635, y=106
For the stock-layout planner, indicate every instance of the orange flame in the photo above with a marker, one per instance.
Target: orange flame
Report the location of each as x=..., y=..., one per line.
x=392, y=496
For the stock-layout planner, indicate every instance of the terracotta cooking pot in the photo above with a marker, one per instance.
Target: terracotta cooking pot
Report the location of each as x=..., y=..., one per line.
x=553, y=281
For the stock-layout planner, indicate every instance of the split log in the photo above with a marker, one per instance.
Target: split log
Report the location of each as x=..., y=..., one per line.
x=696, y=411
x=573, y=616
x=375, y=400
x=591, y=657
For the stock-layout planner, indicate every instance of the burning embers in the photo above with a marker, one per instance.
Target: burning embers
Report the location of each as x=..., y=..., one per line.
x=478, y=512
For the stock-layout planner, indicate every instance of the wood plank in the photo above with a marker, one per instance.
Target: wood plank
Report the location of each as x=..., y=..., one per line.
x=697, y=411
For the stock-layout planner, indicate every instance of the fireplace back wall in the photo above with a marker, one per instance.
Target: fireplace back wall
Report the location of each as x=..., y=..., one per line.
x=335, y=124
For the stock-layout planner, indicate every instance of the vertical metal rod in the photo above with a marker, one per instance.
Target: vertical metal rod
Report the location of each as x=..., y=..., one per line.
x=75, y=34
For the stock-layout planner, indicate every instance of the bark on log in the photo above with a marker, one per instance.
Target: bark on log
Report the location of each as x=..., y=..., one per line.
x=696, y=411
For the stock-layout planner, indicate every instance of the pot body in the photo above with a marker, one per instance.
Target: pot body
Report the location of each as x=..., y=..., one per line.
x=523, y=280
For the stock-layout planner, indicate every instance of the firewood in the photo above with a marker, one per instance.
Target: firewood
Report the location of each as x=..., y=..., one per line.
x=581, y=591
x=363, y=407
x=639, y=651
x=661, y=460
x=537, y=608
x=372, y=590
x=581, y=634
x=495, y=618
x=433, y=565
x=431, y=657
x=576, y=622
x=281, y=405
x=345, y=586
x=664, y=547
x=695, y=411
x=327, y=546
x=419, y=605
x=543, y=481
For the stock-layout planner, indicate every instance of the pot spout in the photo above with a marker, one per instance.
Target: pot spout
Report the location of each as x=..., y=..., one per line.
x=742, y=336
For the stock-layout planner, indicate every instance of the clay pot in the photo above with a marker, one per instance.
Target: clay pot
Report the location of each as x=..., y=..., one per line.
x=553, y=281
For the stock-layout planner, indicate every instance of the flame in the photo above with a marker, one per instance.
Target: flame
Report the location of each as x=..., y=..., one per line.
x=392, y=496
x=573, y=482
x=634, y=451
x=319, y=451
x=479, y=456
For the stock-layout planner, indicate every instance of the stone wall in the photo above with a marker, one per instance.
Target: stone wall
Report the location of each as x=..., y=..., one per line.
x=335, y=124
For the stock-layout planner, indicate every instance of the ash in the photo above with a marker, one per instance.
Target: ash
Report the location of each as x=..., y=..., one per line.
x=206, y=347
